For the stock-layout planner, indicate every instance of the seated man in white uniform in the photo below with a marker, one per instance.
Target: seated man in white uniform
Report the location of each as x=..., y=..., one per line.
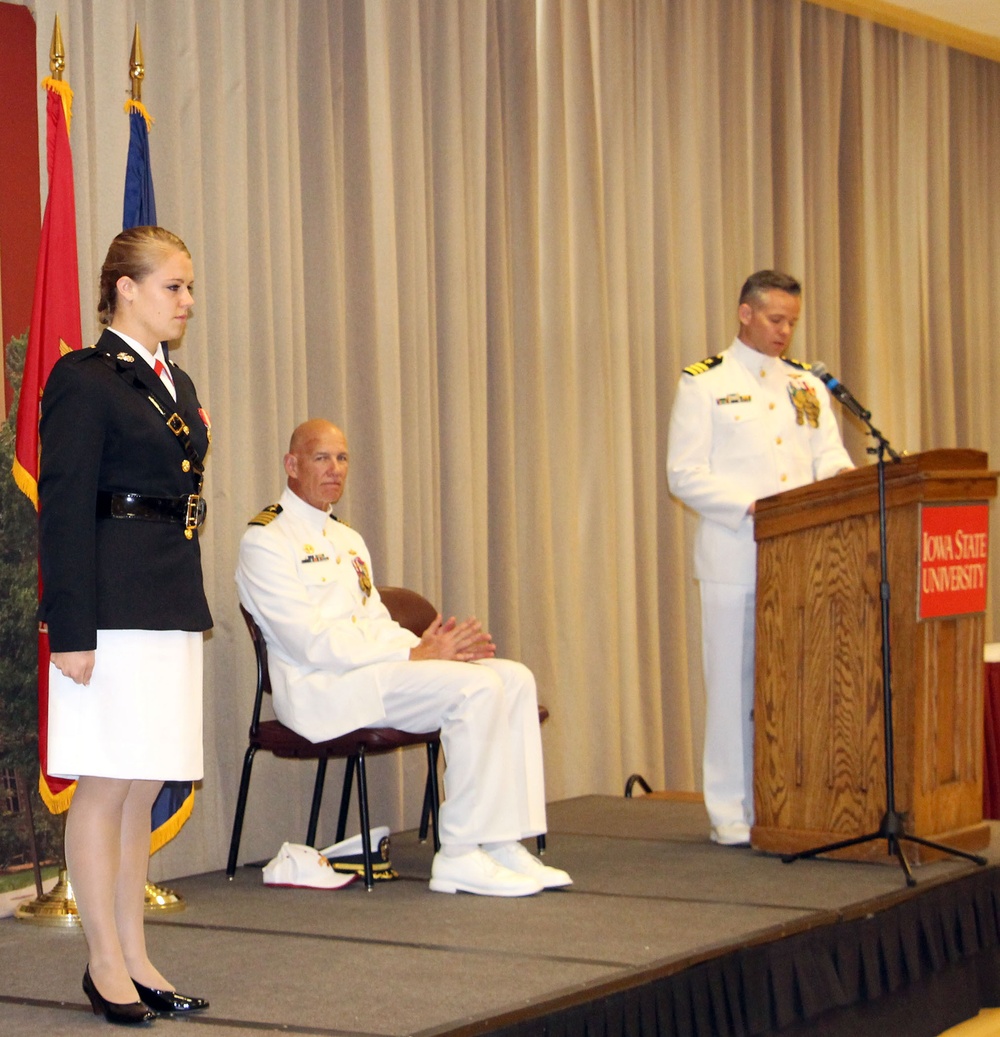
x=338, y=662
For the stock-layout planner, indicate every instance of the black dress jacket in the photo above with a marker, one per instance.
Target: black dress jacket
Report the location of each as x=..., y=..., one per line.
x=99, y=432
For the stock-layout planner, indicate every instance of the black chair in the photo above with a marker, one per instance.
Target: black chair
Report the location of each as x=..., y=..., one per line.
x=272, y=736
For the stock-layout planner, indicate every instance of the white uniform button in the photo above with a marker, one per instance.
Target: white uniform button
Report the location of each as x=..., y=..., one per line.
x=770, y=406
x=784, y=478
x=778, y=441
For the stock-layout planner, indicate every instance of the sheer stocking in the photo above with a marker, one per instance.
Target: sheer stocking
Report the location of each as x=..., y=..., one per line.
x=107, y=857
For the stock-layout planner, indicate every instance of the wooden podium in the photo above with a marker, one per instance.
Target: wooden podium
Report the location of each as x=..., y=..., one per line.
x=819, y=773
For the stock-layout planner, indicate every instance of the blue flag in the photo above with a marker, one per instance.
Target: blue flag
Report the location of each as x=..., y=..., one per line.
x=176, y=799
x=140, y=204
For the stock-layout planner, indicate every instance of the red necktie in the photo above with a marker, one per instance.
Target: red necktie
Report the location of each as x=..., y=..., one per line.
x=159, y=368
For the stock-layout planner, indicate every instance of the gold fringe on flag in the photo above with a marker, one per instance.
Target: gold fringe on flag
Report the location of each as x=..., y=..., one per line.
x=173, y=825
x=132, y=105
x=57, y=802
x=26, y=483
x=57, y=86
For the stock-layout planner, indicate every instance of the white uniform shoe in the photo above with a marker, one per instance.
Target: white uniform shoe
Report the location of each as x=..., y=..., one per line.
x=517, y=858
x=735, y=834
x=478, y=872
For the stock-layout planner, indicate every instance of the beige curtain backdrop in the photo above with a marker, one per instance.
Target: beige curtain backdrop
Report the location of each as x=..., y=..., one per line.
x=485, y=237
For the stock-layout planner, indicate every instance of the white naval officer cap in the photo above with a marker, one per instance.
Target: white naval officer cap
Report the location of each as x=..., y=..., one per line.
x=296, y=866
x=352, y=847
x=347, y=855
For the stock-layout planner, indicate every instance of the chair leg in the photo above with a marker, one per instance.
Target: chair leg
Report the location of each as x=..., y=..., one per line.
x=345, y=798
x=316, y=802
x=540, y=842
x=433, y=750
x=241, y=806
x=432, y=798
x=425, y=810
x=366, y=838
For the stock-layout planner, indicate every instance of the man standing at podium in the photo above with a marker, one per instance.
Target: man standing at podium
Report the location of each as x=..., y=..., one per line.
x=745, y=424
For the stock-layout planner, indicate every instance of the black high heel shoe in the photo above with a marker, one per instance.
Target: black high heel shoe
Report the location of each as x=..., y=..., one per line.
x=169, y=1000
x=133, y=1014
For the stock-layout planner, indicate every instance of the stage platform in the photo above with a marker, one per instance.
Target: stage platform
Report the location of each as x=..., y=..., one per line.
x=662, y=933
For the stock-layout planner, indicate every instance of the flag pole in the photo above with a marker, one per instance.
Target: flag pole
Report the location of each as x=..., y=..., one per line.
x=157, y=898
x=57, y=53
x=57, y=907
x=137, y=70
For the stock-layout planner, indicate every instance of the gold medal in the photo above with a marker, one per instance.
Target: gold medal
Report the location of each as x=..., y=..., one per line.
x=364, y=578
x=806, y=404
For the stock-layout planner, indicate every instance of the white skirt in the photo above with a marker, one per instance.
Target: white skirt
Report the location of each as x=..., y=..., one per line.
x=140, y=717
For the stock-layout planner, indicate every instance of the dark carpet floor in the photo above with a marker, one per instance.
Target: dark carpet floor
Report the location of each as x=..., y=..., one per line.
x=649, y=889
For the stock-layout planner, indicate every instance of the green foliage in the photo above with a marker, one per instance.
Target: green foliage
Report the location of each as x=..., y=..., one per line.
x=18, y=598
x=22, y=879
x=19, y=627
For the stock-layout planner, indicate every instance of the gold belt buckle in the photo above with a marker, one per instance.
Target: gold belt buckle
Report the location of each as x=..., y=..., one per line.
x=193, y=516
x=176, y=425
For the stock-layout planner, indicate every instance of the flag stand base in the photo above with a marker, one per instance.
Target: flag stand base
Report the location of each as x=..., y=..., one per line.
x=57, y=908
x=159, y=899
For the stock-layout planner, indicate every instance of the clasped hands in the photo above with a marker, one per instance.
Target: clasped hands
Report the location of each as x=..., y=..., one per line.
x=464, y=642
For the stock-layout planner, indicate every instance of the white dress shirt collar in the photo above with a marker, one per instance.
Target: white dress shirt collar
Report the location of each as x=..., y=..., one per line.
x=150, y=358
x=756, y=363
x=300, y=509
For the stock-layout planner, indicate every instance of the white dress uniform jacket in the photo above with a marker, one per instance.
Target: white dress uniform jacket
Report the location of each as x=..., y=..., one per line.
x=736, y=435
x=307, y=579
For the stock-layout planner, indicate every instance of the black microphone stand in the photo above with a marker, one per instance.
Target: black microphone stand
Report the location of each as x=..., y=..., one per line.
x=892, y=826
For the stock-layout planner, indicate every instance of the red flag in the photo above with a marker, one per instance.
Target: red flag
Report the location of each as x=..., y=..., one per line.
x=55, y=329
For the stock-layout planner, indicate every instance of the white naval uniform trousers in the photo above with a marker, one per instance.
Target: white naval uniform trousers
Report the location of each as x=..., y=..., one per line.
x=338, y=661
x=735, y=438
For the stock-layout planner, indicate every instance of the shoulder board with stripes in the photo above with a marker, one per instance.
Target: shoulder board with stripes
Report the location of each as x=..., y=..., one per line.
x=269, y=514
x=801, y=365
x=704, y=365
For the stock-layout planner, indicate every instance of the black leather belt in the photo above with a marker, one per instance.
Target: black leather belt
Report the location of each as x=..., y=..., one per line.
x=189, y=510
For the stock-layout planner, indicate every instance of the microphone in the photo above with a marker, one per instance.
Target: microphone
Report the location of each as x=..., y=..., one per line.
x=840, y=391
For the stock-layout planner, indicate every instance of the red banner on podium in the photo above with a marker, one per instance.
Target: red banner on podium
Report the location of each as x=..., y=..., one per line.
x=954, y=551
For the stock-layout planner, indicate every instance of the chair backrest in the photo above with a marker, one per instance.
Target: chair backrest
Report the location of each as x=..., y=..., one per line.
x=408, y=608
x=263, y=674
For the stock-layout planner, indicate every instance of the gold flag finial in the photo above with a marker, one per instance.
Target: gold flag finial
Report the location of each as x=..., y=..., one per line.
x=57, y=55
x=137, y=70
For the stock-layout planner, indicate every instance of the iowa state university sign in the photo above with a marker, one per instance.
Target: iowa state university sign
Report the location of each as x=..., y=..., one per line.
x=954, y=547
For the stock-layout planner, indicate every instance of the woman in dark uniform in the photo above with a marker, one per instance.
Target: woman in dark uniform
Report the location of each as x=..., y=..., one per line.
x=123, y=442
